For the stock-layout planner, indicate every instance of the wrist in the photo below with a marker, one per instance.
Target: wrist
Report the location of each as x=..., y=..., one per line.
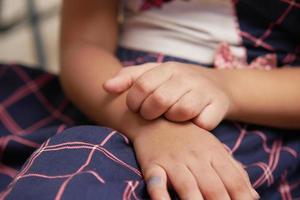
x=226, y=80
x=134, y=126
x=129, y=124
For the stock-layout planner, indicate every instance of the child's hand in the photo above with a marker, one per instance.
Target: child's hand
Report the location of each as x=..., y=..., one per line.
x=178, y=91
x=190, y=160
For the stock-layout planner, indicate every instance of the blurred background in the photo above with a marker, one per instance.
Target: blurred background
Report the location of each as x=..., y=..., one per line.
x=29, y=32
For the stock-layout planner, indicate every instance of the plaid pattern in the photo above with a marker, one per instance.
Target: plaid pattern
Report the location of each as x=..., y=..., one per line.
x=32, y=109
x=274, y=29
x=87, y=162
x=101, y=161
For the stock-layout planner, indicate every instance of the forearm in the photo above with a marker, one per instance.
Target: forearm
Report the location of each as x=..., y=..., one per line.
x=89, y=31
x=269, y=98
x=84, y=70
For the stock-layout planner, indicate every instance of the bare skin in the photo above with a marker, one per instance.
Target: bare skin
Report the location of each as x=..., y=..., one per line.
x=183, y=92
x=180, y=92
x=194, y=171
x=88, y=41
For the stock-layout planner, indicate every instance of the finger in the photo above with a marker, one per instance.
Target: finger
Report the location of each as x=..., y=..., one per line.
x=187, y=107
x=163, y=98
x=233, y=180
x=245, y=176
x=145, y=85
x=125, y=78
x=209, y=182
x=211, y=115
x=183, y=182
x=156, y=180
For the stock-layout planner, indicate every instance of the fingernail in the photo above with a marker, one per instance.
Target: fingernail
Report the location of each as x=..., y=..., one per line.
x=155, y=180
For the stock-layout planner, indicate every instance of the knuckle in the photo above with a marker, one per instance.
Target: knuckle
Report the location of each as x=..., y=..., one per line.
x=143, y=86
x=194, y=154
x=160, y=100
x=174, y=157
x=185, y=111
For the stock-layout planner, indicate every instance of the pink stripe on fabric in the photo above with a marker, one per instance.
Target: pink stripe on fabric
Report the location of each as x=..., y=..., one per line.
x=125, y=193
x=61, y=128
x=238, y=29
x=56, y=113
x=160, y=58
x=32, y=159
x=6, y=139
x=265, y=175
x=281, y=18
x=239, y=141
x=104, y=151
x=8, y=171
x=264, y=140
x=26, y=89
x=257, y=41
x=63, y=176
x=107, y=138
x=284, y=188
x=9, y=123
x=65, y=183
x=292, y=2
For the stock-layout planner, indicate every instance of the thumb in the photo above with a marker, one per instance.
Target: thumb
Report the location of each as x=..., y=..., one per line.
x=126, y=77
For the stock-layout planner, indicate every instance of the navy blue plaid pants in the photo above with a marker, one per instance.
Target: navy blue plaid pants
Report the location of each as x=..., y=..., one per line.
x=48, y=152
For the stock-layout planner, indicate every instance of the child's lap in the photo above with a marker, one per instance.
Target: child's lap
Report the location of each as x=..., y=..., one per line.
x=111, y=171
x=28, y=119
x=90, y=161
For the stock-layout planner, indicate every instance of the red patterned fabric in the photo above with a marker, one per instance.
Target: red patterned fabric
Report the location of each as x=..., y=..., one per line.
x=147, y=4
x=224, y=59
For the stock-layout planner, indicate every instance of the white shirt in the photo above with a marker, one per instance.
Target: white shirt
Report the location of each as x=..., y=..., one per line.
x=186, y=29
